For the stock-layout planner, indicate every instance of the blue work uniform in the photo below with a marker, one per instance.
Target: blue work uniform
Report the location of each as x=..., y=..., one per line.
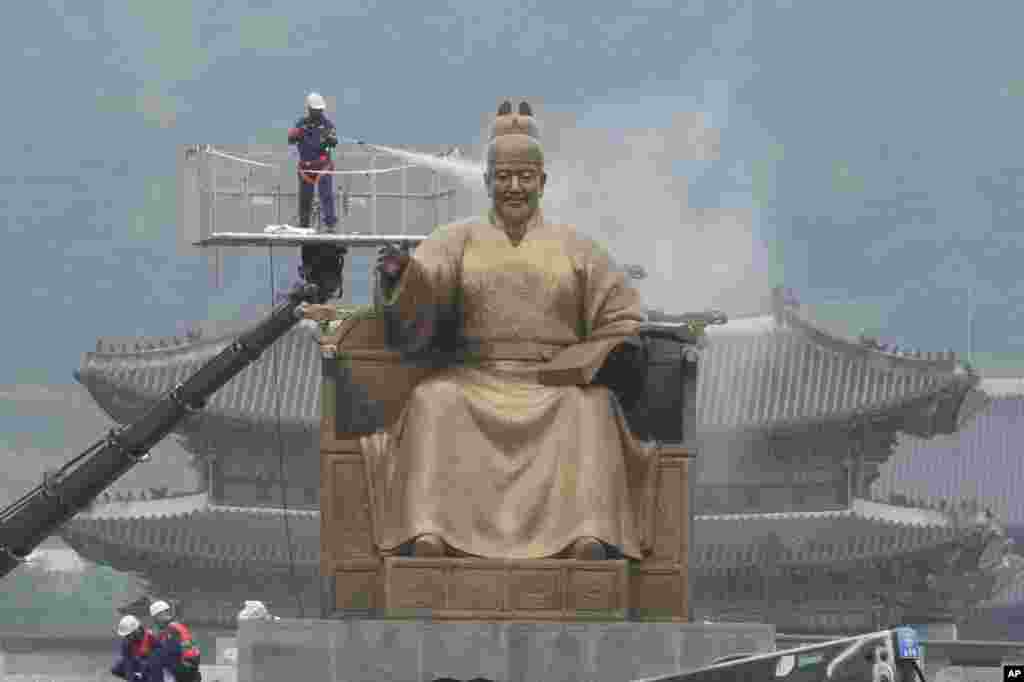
x=316, y=138
x=137, y=660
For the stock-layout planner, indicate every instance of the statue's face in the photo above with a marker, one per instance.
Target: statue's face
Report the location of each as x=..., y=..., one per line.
x=516, y=189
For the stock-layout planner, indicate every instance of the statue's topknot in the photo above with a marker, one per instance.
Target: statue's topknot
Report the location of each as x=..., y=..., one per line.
x=509, y=123
x=514, y=136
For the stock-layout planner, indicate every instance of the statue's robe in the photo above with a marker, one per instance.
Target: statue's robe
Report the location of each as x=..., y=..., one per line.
x=491, y=453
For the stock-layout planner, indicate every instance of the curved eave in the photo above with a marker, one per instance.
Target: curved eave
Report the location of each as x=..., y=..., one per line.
x=1009, y=588
x=781, y=372
x=220, y=536
x=954, y=404
x=797, y=316
x=136, y=536
x=276, y=387
x=1002, y=388
x=987, y=393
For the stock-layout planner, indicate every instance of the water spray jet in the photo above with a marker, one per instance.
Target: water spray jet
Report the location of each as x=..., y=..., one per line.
x=467, y=172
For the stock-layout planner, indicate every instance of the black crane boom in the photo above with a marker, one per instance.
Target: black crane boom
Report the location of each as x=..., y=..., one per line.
x=62, y=494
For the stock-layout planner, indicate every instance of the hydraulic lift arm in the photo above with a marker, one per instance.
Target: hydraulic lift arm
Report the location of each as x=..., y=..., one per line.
x=62, y=494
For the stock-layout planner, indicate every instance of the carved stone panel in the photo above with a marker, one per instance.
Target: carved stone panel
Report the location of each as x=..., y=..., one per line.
x=595, y=590
x=658, y=593
x=486, y=589
x=659, y=586
x=346, y=530
x=534, y=589
x=415, y=587
x=357, y=587
x=668, y=515
x=478, y=590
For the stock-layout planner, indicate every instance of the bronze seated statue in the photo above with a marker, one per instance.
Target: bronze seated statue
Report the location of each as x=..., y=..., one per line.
x=506, y=392
x=366, y=389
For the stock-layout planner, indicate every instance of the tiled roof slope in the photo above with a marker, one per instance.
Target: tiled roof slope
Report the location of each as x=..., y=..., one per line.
x=204, y=531
x=765, y=371
x=285, y=377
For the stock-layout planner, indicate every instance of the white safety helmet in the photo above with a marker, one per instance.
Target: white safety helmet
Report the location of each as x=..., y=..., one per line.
x=315, y=101
x=255, y=610
x=158, y=607
x=128, y=625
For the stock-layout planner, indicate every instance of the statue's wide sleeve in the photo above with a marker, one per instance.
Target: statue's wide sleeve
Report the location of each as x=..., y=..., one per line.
x=611, y=313
x=425, y=299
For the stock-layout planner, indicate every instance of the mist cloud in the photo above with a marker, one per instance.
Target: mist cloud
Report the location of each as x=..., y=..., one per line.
x=619, y=186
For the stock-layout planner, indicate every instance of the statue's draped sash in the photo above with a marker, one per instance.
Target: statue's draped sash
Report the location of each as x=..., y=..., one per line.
x=487, y=454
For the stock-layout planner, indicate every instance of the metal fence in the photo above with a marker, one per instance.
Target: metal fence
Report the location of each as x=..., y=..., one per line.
x=243, y=189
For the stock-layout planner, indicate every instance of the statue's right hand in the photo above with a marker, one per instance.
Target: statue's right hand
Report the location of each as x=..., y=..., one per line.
x=391, y=263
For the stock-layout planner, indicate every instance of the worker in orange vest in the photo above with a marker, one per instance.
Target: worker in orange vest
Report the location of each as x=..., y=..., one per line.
x=179, y=654
x=138, y=650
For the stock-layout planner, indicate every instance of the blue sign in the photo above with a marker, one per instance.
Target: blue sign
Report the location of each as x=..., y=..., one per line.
x=907, y=645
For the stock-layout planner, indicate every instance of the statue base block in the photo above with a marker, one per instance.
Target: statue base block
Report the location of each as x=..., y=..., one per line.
x=483, y=589
x=422, y=651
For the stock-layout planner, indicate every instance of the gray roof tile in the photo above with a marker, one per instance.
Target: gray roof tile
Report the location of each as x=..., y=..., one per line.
x=759, y=371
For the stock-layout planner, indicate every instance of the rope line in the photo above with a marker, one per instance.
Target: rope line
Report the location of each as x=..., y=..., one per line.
x=367, y=171
x=216, y=152
x=275, y=382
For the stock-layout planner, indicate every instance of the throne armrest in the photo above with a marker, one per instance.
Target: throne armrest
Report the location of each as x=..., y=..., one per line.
x=666, y=411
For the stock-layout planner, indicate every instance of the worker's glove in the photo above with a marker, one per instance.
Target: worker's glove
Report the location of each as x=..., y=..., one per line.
x=391, y=264
x=295, y=134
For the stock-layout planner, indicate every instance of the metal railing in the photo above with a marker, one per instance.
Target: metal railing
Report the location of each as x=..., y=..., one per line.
x=243, y=190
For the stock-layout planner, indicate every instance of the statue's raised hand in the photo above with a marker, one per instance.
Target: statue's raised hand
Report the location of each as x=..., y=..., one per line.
x=391, y=263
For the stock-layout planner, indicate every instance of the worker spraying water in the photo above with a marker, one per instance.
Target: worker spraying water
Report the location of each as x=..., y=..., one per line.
x=316, y=137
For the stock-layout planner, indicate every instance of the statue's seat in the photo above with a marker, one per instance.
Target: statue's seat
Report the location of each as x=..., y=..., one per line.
x=365, y=387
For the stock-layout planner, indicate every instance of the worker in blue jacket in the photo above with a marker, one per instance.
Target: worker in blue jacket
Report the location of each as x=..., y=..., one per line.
x=139, y=649
x=315, y=136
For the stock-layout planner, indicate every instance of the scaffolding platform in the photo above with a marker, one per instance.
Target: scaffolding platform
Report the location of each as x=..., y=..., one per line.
x=229, y=195
x=294, y=239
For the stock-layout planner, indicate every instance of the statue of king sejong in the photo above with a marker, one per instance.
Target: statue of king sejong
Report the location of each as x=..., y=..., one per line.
x=516, y=447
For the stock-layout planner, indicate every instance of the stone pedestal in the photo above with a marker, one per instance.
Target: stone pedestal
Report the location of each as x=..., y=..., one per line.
x=422, y=651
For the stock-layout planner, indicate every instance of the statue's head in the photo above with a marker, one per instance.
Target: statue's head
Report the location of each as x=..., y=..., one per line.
x=515, y=176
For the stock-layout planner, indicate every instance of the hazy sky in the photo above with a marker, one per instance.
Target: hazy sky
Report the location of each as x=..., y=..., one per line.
x=866, y=154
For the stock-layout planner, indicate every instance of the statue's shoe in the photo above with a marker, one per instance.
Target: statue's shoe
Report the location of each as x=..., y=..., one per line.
x=428, y=546
x=588, y=549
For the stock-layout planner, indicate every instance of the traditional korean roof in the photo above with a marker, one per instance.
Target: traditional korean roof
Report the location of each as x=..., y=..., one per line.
x=211, y=534
x=982, y=461
x=784, y=370
x=763, y=372
x=284, y=381
x=1004, y=387
x=865, y=531
x=1009, y=582
x=134, y=535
